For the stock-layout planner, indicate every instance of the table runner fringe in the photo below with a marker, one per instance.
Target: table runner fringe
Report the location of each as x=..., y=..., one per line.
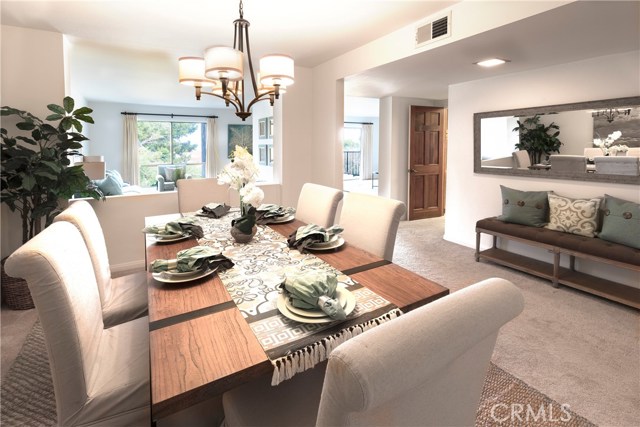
x=286, y=367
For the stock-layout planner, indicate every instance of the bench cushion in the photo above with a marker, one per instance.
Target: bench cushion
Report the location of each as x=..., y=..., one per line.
x=586, y=245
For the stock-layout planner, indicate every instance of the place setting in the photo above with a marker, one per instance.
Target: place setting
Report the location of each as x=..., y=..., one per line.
x=174, y=231
x=274, y=214
x=314, y=296
x=189, y=265
x=312, y=237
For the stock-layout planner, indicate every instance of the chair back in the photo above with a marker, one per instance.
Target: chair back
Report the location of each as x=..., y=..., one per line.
x=568, y=163
x=633, y=152
x=59, y=273
x=592, y=152
x=371, y=222
x=81, y=214
x=428, y=367
x=193, y=194
x=317, y=204
x=521, y=159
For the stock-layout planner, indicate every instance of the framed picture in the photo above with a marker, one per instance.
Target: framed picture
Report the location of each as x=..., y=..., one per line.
x=270, y=127
x=240, y=135
x=264, y=128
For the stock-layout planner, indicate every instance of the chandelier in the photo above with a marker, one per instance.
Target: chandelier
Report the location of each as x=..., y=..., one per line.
x=221, y=72
x=611, y=113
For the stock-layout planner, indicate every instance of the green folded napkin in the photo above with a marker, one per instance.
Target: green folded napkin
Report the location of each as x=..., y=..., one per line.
x=313, y=289
x=268, y=212
x=185, y=225
x=214, y=210
x=307, y=235
x=193, y=259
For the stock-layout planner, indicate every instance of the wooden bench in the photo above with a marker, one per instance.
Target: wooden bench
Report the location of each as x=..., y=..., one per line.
x=558, y=243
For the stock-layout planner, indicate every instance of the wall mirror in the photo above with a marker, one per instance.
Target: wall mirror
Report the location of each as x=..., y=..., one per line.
x=579, y=124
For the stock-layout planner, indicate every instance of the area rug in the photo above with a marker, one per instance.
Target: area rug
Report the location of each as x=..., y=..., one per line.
x=28, y=399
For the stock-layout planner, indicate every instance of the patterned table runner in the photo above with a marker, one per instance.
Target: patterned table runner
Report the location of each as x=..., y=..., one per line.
x=260, y=267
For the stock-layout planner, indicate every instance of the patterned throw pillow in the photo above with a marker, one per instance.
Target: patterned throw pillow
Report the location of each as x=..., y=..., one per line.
x=575, y=216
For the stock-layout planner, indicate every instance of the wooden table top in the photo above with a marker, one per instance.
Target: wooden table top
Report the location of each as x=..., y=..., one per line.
x=201, y=346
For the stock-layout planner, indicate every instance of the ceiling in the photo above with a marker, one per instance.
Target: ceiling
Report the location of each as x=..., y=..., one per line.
x=131, y=47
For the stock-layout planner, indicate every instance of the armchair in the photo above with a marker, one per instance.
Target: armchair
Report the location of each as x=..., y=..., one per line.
x=169, y=174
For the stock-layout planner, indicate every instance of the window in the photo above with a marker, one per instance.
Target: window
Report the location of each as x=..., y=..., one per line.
x=351, y=136
x=169, y=143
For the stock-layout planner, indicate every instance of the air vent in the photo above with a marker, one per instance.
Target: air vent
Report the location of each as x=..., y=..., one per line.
x=433, y=30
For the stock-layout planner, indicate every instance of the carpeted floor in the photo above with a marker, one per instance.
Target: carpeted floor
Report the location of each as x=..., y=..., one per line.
x=568, y=353
x=28, y=399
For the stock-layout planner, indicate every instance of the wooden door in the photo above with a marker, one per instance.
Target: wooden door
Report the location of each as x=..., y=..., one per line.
x=427, y=156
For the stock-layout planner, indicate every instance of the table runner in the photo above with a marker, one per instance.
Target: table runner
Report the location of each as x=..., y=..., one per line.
x=259, y=269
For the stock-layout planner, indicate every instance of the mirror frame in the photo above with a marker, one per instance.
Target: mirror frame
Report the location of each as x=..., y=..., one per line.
x=589, y=105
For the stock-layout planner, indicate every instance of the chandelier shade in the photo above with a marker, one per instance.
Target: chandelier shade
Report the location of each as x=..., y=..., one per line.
x=222, y=69
x=224, y=62
x=191, y=72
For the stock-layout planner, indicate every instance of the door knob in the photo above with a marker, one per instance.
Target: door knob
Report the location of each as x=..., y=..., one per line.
x=412, y=171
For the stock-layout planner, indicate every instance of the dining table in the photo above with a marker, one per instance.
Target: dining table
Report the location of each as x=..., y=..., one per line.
x=210, y=335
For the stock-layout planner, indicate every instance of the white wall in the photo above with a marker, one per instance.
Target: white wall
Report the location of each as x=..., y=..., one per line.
x=470, y=196
x=32, y=65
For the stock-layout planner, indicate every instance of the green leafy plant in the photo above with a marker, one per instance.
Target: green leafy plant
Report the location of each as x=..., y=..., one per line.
x=36, y=172
x=538, y=139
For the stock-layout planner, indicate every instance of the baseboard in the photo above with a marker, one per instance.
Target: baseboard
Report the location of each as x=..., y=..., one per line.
x=127, y=267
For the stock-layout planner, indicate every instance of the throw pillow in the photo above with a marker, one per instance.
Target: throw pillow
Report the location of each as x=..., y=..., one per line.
x=171, y=174
x=116, y=175
x=621, y=222
x=524, y=207
x=109, y=186
x=575, y=216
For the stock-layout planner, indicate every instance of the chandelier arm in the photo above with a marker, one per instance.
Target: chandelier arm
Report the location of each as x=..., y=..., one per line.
x=261, y=97
x=228, y=100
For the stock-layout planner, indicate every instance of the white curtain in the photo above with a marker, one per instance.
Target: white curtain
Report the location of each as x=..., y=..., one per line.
x=366, y=152
x=130, y=168
x=212, y=148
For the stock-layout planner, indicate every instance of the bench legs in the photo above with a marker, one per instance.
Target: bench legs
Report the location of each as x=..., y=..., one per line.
x=556, y=269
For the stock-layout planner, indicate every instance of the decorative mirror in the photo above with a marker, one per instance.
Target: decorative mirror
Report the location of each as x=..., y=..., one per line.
x=586, y=141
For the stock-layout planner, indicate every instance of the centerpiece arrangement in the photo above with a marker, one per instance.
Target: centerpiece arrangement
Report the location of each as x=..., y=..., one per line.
x=241, y=174
x=607, y=145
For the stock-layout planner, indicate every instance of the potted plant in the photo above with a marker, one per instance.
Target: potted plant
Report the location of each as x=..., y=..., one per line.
x=36, y=171
x=36, y=174
x=537, y=138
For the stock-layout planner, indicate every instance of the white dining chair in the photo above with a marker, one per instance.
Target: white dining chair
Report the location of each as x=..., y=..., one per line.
x=196, y=192
x=591, y=152
x=371, y=222
x=425, y=368
x=100, y=376
x=123, y=298
x=318, y=204
x=521, y=159
x=633, y=152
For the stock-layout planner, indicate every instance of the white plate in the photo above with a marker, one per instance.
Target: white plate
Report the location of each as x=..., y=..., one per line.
x=178, y=274
x=171, y=238
x=282, y=219
x=335, y=242
x=162, y=277
x=282, y=307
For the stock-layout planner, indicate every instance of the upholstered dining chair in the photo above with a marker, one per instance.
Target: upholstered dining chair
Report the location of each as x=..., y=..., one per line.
x=591, y=152
x=100, y=376
x=521, y=159
x=317, y=204
x=371, y=222
x=123, y=298
x=196, y=192
x=425, y=368
x=633, y=152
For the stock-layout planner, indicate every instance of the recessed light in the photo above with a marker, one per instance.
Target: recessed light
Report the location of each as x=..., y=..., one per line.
x=492, y=62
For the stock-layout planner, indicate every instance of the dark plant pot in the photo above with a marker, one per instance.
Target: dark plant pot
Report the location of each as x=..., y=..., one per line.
x=15, y=292
x=240, y=237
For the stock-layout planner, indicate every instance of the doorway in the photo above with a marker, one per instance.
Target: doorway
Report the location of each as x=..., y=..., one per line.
x=427, y=162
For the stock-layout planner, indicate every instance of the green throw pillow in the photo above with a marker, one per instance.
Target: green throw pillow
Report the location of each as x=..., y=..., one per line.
x=575, y=216
x=621, y=222
x=109, y=186
x=524, y=207
x=115, y=175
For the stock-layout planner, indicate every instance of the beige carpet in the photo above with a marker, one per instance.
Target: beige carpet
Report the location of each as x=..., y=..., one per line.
x=578, y=349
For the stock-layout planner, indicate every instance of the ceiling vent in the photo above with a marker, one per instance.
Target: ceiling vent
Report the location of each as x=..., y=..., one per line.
x=435, y=30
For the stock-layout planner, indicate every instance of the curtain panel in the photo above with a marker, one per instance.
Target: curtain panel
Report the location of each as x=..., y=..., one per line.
x=212, y=148
x=130, y=156
x=366, y=158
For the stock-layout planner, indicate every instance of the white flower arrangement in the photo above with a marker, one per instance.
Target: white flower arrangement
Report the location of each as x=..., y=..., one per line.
x=241, y=174
x=606, y=145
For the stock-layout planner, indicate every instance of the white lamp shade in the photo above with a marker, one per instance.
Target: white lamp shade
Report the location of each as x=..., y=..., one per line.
x=276, y=69
x=223, y=61
x=262, y=88
x=191, y=72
